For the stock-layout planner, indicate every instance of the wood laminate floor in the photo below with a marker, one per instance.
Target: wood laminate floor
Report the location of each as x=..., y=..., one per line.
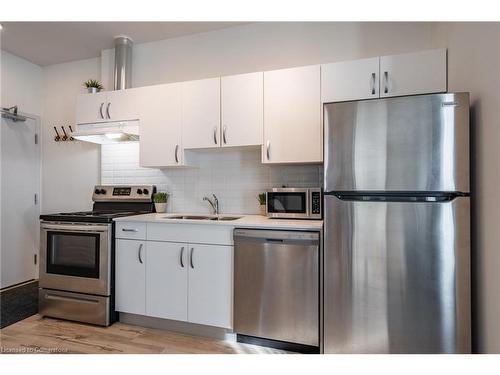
x=45, y=335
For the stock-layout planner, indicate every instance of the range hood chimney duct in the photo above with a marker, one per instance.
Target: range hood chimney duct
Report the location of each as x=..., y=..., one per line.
x=123, y=62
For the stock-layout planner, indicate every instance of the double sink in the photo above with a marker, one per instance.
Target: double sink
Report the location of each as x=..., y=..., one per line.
x=203, y=217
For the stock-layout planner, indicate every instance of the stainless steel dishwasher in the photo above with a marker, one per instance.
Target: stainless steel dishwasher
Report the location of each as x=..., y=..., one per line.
x=276, y=288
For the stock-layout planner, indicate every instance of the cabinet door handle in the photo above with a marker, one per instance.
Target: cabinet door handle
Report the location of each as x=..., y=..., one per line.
x=176, y=154
x=268, y=146
x=191, y=258
x=140, y=254
x=182, y=257
x=224, y=135
x=373, y=84
x=386, y=82
x=100, y=111
x=107, y=110
x=128, y=230
x=215, y=135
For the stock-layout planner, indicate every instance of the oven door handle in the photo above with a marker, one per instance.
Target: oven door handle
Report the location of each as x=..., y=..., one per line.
x=76, y=228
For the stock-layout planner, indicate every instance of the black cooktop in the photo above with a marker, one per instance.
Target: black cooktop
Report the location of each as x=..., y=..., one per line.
x=90, y=216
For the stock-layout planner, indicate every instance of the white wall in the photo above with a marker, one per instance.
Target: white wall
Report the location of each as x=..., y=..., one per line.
x=474, y=66
x=69, y=169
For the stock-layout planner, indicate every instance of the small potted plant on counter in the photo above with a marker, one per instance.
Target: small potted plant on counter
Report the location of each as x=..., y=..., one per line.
x=262, y=203
x=93, y=86
x=160, y=200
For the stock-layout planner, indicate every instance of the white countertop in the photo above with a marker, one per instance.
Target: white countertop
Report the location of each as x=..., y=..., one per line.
x=244, y=221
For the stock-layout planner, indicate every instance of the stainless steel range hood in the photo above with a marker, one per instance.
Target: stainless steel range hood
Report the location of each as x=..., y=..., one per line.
x=114, y=131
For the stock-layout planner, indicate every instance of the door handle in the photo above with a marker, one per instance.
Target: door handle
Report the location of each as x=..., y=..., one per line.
x=70, y=298
x=268, y=146
x=140, y=254
x=107, y=110
x=100, y=111
x=176, y=154
x=182, y=257
x=373, y=84
x=128, y=230
x=191, y=258
x=224, y=135
x=215, y=135
x=386, y=82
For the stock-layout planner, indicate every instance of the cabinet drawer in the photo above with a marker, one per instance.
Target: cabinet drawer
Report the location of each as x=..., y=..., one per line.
x=192, y=233
x=131, y=230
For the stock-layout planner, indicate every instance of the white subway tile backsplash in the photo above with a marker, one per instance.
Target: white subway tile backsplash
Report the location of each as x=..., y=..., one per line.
x=235, y=176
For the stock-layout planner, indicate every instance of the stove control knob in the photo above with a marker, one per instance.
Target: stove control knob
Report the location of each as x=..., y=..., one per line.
x=139, y=191
x=145, y=191
x=97, y=191
x=102, y=191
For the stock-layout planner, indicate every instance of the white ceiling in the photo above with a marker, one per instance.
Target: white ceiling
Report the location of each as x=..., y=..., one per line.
x=46, y=43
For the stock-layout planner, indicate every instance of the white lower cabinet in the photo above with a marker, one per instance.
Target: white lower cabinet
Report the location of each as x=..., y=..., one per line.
x=176, y=280
x=166, y=280
x=130, y=278
x=210, y=280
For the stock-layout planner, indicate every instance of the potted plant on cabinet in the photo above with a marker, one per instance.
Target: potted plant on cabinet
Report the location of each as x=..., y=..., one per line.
x=262, y=203
x=160, y=200
x=93, y=86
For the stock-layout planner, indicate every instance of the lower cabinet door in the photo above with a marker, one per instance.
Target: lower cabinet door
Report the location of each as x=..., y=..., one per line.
x=130, y=276
x=210, y=285
x=167, y=280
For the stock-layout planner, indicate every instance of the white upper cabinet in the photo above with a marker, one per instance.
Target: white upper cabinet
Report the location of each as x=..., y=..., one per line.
x=201, y=113
x=90, y=108
x=130, y=279
x=167, y=280
x=242, y=109
x=292, y=116
x=350, y=80
x=413, y=73
x=209, y=285
x=160, y=130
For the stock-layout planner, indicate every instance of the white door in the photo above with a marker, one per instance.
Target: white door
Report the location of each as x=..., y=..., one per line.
x=130, y=276
x=413, y=73
x=91, y=108
x=350, y=80
x=201, y=113
x=160, y=140
x=210, y=285
x=167, y=280
x=20, y=180
x=292, y=116
x=242, y=106
x=123, y=104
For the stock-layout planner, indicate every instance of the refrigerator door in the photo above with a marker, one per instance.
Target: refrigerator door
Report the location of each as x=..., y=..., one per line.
x=413, y=143
x=397, y=277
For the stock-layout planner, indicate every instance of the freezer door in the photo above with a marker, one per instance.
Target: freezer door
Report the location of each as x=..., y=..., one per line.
x=413, y=143
x=397, y=277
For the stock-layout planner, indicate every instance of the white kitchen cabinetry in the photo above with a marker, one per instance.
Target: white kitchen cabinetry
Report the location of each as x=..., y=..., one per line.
x=201, y=113
x=167, y=280
x=130, y=279
x=413, y=73
x=210, y=291
x=292, y=116
x=108, y=106
x=161, y=126
x=242, y=105
x=350, y=80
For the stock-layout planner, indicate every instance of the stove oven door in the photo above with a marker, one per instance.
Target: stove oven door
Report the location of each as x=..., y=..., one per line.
x=76, y=257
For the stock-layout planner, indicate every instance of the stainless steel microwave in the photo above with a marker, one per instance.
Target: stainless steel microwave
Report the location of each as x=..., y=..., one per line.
x=294, y=203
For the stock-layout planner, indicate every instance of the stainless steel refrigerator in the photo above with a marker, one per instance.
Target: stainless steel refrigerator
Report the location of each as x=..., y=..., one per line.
x=397, y=225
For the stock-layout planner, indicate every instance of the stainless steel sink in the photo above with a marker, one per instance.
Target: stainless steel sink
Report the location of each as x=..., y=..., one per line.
x=202, y=217
x=227, y=218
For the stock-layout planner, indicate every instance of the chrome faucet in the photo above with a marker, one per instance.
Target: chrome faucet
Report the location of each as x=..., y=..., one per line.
x=214, y=204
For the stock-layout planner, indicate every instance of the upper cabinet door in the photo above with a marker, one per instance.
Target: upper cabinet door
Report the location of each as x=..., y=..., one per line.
x=91, y=108
x=201, y=113
x=123, y=104
x=242, y=109
x=160, y=128
x=350, y=80
x=292, y=116
x=413, y=73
